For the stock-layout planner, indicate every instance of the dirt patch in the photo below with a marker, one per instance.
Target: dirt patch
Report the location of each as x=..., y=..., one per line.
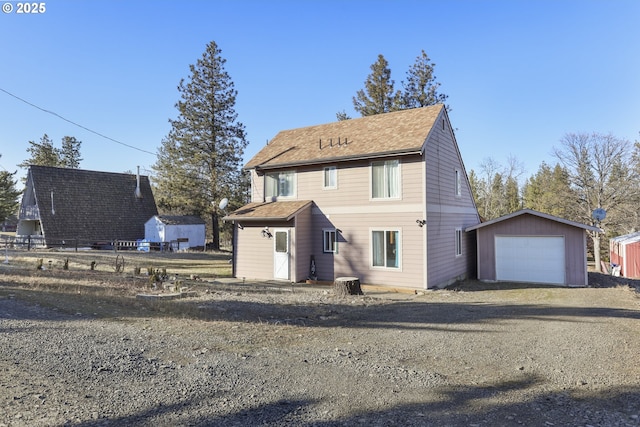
x=84, y=351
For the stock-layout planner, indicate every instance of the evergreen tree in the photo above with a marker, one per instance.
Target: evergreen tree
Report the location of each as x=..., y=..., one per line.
x=378, y=95
x=421, y=88
x=8, y=195
x=548, y=191
x=342, y=115
x=70, y=152
x=511, y=196
x=42, y=153
x=199, y=161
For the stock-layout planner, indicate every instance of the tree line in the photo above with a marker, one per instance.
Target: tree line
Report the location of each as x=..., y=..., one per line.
x=592, y=171
x=199, y=161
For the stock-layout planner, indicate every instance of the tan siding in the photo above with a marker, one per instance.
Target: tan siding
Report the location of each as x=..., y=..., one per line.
x=301, y=247
x=353, y=257
x=350, y=209
x=446, y=211
x=257, y=187
x=254, y=259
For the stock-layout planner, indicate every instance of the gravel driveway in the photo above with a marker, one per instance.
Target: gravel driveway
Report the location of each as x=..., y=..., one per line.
x=267, y=356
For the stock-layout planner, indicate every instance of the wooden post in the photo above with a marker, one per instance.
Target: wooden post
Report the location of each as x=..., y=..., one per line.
x=344, y=286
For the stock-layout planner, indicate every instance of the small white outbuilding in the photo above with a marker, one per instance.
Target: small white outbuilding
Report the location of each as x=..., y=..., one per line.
x=179, y=231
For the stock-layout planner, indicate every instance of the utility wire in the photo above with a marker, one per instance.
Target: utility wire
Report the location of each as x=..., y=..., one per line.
x=76, y=124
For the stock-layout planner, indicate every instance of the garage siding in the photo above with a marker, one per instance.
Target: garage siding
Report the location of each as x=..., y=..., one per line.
x=531, y=225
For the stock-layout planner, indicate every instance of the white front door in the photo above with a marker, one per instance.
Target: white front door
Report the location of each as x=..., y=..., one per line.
x=281, y=254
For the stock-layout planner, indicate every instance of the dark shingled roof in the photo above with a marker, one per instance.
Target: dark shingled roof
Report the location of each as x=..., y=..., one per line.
x=91, y=205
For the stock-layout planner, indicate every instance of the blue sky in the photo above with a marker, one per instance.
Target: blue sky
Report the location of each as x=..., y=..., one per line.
x=519, y=74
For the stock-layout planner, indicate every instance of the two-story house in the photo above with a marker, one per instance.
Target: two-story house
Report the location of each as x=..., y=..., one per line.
x=384, y=198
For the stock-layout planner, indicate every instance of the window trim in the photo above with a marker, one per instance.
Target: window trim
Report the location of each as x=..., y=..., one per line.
x=371, y=180
x=458, y=182
x=294, y=184
x=335, y=175
x=398, y=246
x=458, y=242
x=326, y=232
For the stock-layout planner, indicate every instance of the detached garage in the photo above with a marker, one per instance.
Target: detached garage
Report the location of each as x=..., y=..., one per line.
x=530, y=246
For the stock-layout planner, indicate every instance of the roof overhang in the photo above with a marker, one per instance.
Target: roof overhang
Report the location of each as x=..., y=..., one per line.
x=269, y=211
x=538, y=214
x=337, y=159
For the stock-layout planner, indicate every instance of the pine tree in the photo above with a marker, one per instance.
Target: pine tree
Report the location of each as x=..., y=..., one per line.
x=378, y=95
x=199, y=161
x=70, y=152
x=548, y=191
x=42, y=153
x=421, y=88
x=8, y=195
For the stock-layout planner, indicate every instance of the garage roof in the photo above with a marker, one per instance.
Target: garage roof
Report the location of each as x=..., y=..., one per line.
x=535, y=213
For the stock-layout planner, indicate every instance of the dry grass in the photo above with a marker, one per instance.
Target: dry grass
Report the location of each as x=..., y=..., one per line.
x=203, y=264
x=102, y=291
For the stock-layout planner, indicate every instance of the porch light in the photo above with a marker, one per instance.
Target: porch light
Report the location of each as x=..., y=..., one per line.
x=266, y=233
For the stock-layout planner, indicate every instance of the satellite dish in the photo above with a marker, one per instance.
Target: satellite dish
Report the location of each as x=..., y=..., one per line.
x=223, y=203
x=599, y=214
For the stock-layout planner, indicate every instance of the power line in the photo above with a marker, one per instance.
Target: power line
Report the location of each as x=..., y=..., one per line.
x=76, y=124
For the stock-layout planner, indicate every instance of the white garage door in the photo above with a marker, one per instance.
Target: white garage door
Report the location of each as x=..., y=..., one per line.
x=530, y=259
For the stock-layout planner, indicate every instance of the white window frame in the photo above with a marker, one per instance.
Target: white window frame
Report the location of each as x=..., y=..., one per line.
x=326, y=236
x=386, y=179
x=458, y=182
x=398, y=245
x=333, y=171
x=277, y=175
x=458, y=242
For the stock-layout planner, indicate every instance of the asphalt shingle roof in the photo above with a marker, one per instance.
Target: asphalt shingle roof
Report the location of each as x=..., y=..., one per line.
x=382, y=134
x=91, y=205
x=269, y=210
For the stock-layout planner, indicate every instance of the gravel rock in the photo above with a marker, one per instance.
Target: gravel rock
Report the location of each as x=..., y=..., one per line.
x=259, y=356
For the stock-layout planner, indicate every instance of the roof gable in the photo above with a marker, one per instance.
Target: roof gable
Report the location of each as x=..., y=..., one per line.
x=83, y=204
x=400, y=132
x=537, y=214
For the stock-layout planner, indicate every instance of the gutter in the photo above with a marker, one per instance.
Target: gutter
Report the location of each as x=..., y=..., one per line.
x=407, y=152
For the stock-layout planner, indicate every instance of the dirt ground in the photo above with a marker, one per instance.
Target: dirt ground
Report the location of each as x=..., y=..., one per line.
x=80, y=348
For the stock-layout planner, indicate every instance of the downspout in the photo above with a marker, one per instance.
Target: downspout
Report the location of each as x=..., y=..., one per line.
x=425, y=270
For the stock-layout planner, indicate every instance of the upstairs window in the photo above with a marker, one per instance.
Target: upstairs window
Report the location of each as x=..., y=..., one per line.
x=385, y=179
x=280, y=184
x=458, y=183
x=330, y=178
